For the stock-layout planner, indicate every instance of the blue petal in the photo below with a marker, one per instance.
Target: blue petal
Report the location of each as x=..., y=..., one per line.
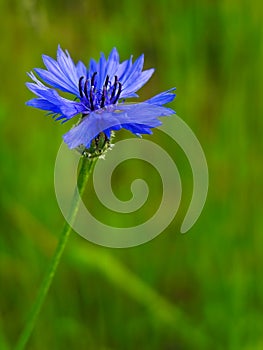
x=138, y=129
x=89, y=128
x=81, y=69
x=134, y=71
x=50, y=100
x=61, y=74
x=93, y=67
x=163, y=97
x=123, y=68
x=112, y=63
x=68, y=67
x=137, y=83
x=44, y=104
x=101, y=71
x=131, y=76
x=138, y=112
x=141, y=114
x=56, y=81
x=34, y=78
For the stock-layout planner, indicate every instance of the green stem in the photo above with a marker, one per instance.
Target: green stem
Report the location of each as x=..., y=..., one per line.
x=84, y=173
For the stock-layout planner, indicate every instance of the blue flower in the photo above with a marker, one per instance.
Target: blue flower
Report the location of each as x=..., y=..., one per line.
x=99, y=92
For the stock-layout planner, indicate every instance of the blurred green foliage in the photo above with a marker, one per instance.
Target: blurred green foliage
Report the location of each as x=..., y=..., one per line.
x=202, y=290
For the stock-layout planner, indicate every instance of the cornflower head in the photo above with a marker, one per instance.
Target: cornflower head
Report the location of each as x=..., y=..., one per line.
x=99, y=94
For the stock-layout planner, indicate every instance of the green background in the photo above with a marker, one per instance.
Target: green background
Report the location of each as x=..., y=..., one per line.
x=202, y=290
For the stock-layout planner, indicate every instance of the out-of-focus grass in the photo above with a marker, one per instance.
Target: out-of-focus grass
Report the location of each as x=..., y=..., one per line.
x=116, y=299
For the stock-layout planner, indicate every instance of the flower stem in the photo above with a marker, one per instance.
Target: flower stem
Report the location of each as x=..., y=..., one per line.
x=84, y=173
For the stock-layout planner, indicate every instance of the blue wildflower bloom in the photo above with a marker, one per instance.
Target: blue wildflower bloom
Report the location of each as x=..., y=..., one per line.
x=99, y=91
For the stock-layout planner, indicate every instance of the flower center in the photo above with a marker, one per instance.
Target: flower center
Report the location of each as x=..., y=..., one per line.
x=96, y=98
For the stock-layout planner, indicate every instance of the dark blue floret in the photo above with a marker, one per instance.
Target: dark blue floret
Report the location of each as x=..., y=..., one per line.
x=99, y=92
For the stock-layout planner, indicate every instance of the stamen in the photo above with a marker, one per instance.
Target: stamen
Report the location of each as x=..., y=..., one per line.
x=107, y=81
x=91, y=99
x=98, y=99
x=104, y=93
x=88, y=94
x=86, y=88
x=118, y=94
x=114, y=87
x=93, y=78
x=80, y=86
x=119, y=91
x=103, y=96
